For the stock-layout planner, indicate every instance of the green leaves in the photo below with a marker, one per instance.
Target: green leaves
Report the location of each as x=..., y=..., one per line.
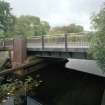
x=30, y=26
x=6, y=18
x=24, y=25
x=13, y=86
x=98, y=40
x=98, y=49
x=72, y=28
x=98, y=20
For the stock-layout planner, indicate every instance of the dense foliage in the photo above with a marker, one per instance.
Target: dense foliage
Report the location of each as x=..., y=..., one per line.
x=13, y=86
x=24, y=25
x=98, y=41
x=72, y=28
x=30, y=26
x=6, y=19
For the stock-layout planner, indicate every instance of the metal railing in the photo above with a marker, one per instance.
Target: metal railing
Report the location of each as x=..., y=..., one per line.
x=6, y=43
x=65, y=41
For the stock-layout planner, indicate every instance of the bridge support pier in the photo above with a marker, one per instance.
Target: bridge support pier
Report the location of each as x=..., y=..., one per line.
x=19, y=58
x=19, y=51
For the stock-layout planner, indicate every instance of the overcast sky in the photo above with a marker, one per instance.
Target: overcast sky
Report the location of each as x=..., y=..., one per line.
x=58, y=12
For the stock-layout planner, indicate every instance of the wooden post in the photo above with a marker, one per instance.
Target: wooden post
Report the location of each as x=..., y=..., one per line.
x=19, y=51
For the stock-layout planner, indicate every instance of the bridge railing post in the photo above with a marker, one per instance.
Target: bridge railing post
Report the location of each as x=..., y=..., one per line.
x=66, y=42
x=43, y=44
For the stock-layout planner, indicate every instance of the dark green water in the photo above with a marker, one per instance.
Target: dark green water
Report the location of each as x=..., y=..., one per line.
x=76, y=82
x=65, y=86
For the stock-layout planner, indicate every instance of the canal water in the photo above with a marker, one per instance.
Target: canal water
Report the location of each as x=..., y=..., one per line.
x=72, y=82
x=87, y=66
x=79, y=82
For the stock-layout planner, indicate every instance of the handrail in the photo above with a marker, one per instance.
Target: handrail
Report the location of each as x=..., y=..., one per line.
x=66, y=40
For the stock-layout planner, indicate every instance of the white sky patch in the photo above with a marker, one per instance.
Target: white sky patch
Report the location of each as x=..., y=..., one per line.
x=58, y=12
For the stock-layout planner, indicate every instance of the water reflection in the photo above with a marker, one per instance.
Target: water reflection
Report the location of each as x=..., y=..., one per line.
x=88, y=66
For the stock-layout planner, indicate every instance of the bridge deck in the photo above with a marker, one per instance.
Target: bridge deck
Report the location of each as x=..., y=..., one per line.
x=48, y=45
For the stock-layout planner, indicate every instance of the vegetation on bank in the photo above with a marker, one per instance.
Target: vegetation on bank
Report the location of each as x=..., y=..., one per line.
x=98, y=40
x=11, y=87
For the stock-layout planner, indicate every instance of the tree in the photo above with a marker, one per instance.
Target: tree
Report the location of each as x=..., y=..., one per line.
x=6, y=19
x=72, y=28
x=45, y=27
x=98, y=40
x=30, y=26
x=26, y=24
